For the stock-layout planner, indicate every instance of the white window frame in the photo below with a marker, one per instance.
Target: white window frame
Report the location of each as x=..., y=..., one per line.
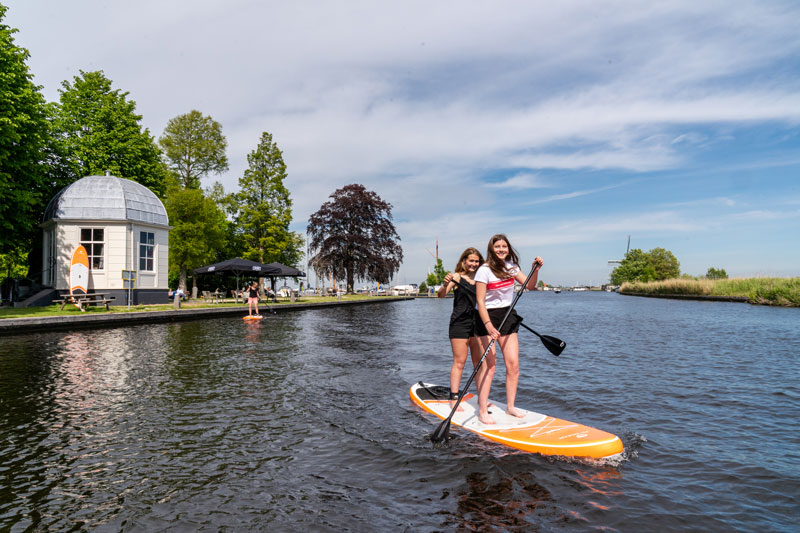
x=91, y=248
x=147, y=246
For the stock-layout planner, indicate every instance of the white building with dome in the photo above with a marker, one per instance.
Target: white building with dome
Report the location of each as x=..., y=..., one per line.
x=122, y=225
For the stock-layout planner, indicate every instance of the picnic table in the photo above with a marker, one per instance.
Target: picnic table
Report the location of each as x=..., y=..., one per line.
x=85, y=300
x=213, y=297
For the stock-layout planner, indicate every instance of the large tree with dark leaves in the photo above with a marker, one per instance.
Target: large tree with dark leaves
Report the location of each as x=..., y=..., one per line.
x=352, y=236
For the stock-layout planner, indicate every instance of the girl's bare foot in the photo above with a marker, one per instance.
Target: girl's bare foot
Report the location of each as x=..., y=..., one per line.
x=453, y=404
x=513, y=411
x=486, y=419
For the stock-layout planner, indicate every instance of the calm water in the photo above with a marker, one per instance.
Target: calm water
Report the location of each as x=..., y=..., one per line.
x=303, y=422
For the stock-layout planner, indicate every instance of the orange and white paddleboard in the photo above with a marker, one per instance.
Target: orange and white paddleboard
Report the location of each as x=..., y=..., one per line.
x=535, y=432
x=79, y=272
x=252, y=317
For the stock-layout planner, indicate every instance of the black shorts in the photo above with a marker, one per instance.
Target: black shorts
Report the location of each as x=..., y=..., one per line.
x=462, y=327
x=496, y=316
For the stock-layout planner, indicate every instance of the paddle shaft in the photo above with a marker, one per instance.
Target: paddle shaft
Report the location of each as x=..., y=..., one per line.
x=529, y=329
x=445, y=425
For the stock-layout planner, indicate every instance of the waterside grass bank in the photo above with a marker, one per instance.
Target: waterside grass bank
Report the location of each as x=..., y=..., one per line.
x=25, y=320
x=762, y=291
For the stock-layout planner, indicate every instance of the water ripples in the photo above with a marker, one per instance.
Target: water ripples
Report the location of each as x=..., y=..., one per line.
x=302, y=422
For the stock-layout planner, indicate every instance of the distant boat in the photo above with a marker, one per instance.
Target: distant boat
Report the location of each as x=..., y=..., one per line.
x=557, y=291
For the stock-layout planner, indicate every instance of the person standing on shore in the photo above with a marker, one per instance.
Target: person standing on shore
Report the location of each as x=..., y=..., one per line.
x=252, y=299
x=494, y=289
x=462, y=320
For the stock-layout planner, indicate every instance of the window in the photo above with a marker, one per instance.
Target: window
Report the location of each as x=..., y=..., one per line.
x=92, y=239
x=147, y=244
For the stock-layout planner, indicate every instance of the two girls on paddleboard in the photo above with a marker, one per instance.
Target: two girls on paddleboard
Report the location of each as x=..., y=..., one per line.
x=462, y=320
x=490, y=287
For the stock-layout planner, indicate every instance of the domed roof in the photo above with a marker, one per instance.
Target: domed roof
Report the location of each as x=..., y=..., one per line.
x=106, y=198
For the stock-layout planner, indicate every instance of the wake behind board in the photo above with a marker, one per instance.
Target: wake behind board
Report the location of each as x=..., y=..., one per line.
x=253, y=317
x=79, y=273
x=535, y=432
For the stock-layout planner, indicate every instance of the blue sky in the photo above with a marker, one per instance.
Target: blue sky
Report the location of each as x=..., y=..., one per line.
x=568, y=126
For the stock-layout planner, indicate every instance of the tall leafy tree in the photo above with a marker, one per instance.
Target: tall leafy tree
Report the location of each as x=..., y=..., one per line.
x=194, y=147
x=98, y=130
x=25, y=181
x=353, y=235
x=264, y=208
x=664, y=263
x=198, y=231
x=657, y=264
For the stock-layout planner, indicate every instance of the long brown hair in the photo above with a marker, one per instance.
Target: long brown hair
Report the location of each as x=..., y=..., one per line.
x=496, y=265
x=461, y=266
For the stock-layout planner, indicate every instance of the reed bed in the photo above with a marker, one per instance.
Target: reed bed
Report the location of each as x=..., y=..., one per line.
x=764, y=291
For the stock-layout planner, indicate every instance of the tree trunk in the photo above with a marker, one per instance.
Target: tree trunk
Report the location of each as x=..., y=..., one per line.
x=182, y=281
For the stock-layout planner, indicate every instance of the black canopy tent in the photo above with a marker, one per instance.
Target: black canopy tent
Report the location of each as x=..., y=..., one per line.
x=238, y=267
x=284, y=272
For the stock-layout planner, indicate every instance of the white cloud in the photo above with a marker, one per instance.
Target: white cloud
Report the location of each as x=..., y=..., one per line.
x=426, y=103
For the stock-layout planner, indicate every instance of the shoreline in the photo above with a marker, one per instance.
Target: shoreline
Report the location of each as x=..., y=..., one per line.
x=24, y=325
x=773, y=292
x=699, y=297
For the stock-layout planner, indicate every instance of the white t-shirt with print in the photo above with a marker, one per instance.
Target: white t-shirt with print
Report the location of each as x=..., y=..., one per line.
x=499, y=292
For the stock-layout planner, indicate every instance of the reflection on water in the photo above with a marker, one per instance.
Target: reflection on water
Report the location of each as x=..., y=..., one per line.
x=301, y=421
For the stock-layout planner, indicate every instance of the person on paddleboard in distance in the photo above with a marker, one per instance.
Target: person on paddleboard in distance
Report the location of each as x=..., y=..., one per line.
x=462, y=320
x=252, y=299
x=494, y=290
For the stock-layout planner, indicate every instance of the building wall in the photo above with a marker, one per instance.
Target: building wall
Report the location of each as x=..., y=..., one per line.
x=120, y=252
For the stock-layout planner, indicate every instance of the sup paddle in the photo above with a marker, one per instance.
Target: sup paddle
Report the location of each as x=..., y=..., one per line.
x=556, y=346
x=442, y=431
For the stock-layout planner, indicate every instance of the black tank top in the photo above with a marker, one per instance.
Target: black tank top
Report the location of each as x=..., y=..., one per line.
x=463, y=300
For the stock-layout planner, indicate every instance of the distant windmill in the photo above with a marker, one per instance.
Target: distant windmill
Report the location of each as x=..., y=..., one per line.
x=436, y=257
x=618, y=261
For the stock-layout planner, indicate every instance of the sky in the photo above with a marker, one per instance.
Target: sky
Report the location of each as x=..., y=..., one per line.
x=567, y=126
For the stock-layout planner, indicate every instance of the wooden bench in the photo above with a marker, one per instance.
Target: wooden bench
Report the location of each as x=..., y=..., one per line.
x=85, y=300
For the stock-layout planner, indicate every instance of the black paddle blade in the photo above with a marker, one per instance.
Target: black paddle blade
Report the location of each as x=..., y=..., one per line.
x=441, y=434
x=554, y=345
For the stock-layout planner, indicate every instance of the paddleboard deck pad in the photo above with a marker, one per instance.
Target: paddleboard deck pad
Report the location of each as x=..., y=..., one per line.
x=534, y=432
x=253, y=317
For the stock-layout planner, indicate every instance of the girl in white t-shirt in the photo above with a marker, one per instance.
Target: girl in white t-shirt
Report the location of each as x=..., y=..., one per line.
x=494, y=289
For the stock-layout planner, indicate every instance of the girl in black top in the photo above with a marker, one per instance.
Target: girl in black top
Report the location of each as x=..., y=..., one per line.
x=462, y=320
x=252, y=300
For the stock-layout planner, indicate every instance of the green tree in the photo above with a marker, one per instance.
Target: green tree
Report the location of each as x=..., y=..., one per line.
x=13, y=265
x=25, y=181
x=714, y=273
x=264, y=208
x=194, y=147
x=664, y=263
x=198, y=231
x=353, y=234
x=98, y=129
x=657, y=264
x=437, y=276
